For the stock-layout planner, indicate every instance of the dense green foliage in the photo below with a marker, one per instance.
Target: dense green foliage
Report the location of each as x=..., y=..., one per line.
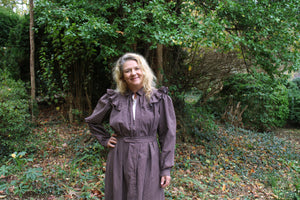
x=80, y=40
x=16, y=57
x=69, y=51
x=14, y=112
x=8, y=20
x=14, y=44
x=294, y=100
x=203, y=42
x=266, y=100
x=266, y=32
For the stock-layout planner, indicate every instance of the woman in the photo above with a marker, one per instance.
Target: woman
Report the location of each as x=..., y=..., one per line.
x=138, y=167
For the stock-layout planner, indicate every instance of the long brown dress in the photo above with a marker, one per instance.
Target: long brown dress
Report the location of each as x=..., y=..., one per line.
x=137, y=162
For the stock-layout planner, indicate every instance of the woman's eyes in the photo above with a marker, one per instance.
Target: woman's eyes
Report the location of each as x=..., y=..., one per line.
x=129, y=70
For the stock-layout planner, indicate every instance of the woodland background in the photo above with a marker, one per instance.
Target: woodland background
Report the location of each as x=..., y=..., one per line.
x=231, y=66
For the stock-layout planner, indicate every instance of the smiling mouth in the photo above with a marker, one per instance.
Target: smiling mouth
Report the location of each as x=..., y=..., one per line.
x=135, y=78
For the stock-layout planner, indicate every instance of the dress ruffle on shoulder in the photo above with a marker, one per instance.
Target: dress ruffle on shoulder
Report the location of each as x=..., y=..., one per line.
x=113, y=98
x=159, y=94
x=109, y=99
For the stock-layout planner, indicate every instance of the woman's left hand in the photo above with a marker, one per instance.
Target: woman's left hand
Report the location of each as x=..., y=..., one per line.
x=165, y=181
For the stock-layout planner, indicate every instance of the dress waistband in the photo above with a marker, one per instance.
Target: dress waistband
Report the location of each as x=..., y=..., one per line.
x=138, y=139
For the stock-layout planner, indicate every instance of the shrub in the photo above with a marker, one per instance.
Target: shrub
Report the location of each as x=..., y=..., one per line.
x=294, y=100
x=266, y=100
x=198, y=122
x=14, y=112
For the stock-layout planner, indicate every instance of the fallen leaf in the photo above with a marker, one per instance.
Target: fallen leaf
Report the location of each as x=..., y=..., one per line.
x=97, y=193
x=224, y=187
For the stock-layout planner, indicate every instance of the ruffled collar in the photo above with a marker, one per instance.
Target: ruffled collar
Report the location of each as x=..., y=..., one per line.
x=140, y=92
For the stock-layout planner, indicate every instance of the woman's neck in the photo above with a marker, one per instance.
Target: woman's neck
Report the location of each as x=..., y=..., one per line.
x=135, y=89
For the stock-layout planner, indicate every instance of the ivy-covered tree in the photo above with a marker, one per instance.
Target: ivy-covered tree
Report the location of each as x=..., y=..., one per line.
x=68, y=44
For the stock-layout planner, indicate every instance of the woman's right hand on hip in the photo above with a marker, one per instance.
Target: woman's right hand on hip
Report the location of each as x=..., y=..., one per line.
x=112, y=141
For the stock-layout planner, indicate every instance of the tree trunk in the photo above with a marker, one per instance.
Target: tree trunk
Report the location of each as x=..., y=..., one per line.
x=32, y=73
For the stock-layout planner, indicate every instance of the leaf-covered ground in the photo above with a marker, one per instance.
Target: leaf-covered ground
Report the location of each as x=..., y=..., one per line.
x=239, y=164
x=64, y=162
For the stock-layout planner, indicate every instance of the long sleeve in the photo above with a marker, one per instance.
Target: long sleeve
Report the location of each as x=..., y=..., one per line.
x=167, y=135
x=96, y=119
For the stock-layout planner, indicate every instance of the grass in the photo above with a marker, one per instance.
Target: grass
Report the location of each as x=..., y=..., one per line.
x=61, y=161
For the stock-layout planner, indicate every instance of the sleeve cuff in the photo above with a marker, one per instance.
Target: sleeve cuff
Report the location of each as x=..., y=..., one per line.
x=104, y=142
x=165, y=172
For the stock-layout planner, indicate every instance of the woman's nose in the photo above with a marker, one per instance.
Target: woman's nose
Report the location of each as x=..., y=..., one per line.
x=133, y=72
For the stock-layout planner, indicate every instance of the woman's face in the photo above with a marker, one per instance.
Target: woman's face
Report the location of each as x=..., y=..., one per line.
x=133, y=75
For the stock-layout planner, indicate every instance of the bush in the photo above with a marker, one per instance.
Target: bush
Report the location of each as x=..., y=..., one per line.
x=294, y=101
x=198, y=122
x=266, y=100
x=14, y=112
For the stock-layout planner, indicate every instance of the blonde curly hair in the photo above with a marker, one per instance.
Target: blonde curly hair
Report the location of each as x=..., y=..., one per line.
x=149, y=81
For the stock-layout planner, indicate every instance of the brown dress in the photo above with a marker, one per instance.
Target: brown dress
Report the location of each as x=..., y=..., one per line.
x=137, y=162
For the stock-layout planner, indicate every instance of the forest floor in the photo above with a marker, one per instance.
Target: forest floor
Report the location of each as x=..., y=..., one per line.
x=63, y=161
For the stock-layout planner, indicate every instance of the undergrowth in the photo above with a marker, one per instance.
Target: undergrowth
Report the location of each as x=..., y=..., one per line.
x=62, y=161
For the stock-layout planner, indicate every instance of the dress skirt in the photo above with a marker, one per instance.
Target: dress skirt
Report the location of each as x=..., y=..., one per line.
x=128, y=166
